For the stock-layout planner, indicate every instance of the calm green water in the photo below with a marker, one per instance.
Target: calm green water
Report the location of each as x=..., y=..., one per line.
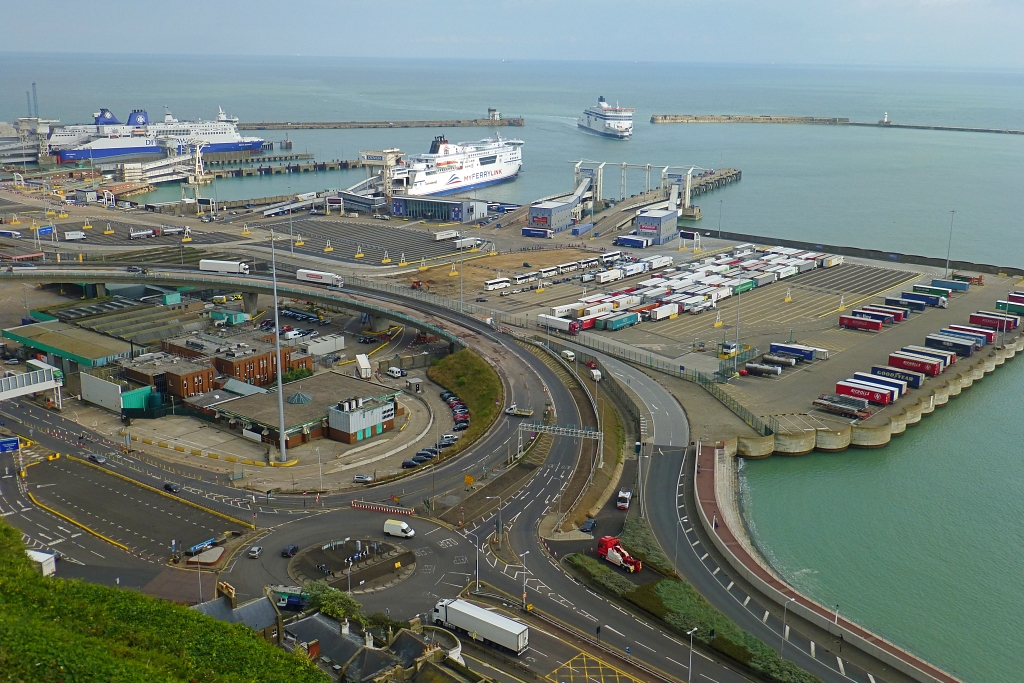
x=921, y=541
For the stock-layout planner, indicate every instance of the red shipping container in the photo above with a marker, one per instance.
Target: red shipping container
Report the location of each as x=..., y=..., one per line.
x=879, y=397
x=927, y=367
x=990, y=335
x=860, y=323
x=991, y=321
x=1016, y=297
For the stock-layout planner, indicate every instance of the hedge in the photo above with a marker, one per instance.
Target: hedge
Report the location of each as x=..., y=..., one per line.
x=476, y=383
x=637, y=538
x=56, y=630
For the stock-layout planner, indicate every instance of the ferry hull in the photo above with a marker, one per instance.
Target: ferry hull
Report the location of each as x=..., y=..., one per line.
x=465, y=188
x=606, y=134
x=85, y=154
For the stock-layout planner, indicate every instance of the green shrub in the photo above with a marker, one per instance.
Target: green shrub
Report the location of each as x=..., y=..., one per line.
x=645, y=596
x=296, y=374
x=334, y=603
x=637, y=538
x=602, y=576
x=52, y=629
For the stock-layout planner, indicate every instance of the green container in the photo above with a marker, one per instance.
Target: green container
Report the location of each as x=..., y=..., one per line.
x=935, y=291
x=744, y=286
x=1010, y=307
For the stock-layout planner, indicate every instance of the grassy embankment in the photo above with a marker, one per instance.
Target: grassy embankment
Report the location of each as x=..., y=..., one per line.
x=678, y=605
x=54, y=630
x=479, y=387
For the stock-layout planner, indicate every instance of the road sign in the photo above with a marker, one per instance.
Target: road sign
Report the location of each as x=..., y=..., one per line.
x=469, y=480
x=9, y=445
x=48, y=230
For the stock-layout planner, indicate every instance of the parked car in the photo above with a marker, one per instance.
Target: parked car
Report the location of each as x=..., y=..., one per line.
x=432, y=451
x=362, y=479
x=409, y=464
x=171, y=487
x=97, y=458
x=289, y=551
x=11, y=361
x=133, y=269
x=450, y=437
x=420, y=459
x=255, y=551
x=461, y=426
x=588, y=526
x=481, y=298
x=506, y=293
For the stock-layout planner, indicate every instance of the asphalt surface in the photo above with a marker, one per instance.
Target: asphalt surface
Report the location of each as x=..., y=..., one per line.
x=549, y=588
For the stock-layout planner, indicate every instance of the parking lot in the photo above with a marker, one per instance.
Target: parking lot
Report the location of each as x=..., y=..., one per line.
x=202, y=233
x=374, y=240
x=143, y=520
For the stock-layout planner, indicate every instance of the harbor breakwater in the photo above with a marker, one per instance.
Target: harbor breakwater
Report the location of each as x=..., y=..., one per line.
x=515, y=121
x=821, y=121
x=870, y=434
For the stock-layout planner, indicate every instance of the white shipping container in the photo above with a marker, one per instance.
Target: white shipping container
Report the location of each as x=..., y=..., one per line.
x=562, y=311
x=562, y=324
x=830, y=261
x=663, y=312
x=446, y=235
x=598, y=309
x=363, y=370
x=72, y=235
x=787, y=271
x=653, y=293
x=482, y=624
x=661, y=262
x=608, y=276
x=319, y=277
x=634, y=269
x=628, y=301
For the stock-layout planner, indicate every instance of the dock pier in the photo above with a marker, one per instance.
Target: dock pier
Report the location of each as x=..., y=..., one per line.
x=821, y=121
x=277, y=169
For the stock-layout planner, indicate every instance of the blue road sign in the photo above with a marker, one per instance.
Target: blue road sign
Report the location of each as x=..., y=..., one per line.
x=199, y=547
x=9, y=445
x=48, y=230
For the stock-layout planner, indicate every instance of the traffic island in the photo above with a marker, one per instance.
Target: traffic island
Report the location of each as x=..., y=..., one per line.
x=353, y=565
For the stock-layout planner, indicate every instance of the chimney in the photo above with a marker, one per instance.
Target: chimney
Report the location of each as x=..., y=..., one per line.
x=344, y=626
x=369, y=638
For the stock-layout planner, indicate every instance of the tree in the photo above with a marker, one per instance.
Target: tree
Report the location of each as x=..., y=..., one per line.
x=334, y=603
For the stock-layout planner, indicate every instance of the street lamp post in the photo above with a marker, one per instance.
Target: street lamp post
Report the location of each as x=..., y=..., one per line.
x=501, y=527
x=525, y=553
x=952, y=215
x=350, y=576
x=837, y=615
x=291, y=234
x=319, y=466
x=689, y=667
x=785, y=608
x=477, y=539
x=282, y=437
x=720, y=201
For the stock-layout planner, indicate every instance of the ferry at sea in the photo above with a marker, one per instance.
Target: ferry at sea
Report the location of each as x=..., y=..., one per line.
x=449, y=168
x=607, y=121
x=108, y=138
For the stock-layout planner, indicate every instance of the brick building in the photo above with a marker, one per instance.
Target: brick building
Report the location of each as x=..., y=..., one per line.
x=252, y=361
x=168, y=374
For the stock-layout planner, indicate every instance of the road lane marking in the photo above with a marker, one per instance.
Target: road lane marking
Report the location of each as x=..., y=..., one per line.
x=842, y=669
x=646, y=646
x=813, y=656
x=731, y=584
x=764, y=619
x=746, y=601
x=675, y=662
x=703, y=557
x=609, y=627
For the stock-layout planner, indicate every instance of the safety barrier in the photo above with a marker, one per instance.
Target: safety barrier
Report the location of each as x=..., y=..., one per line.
x=380, y=507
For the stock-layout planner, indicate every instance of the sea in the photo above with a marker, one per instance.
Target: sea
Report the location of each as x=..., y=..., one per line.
x=921, y=541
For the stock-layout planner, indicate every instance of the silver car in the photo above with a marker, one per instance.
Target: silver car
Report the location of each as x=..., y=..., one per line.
x=362, y=479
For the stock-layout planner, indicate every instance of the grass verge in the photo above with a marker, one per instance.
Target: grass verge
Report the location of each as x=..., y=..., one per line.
x=679, y=606
x=57, y=630
x=477, y=384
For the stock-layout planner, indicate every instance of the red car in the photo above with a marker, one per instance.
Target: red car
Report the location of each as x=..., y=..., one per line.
x=287, y=328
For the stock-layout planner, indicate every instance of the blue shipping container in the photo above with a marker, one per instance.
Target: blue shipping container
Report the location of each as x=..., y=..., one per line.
x=899, y=385
x=951, y=284
x=927, y=299
x=904, y=303
x=582, y=228
x=962, y=347
x=913, y=379
x=979, y=340
x=802, y=352
x=633, y=242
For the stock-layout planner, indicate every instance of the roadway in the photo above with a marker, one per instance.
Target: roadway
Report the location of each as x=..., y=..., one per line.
x=558, y=594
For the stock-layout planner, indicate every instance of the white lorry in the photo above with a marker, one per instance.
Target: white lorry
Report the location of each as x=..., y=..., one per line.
x=482, y=625
x=319, y=277
x=363, y=369
x=234, y=267
x=72, y=235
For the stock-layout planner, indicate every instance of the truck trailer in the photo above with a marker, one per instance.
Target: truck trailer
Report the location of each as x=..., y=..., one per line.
x=319, y=277
x=233, y=267
x=482, y=625
x=933, y=300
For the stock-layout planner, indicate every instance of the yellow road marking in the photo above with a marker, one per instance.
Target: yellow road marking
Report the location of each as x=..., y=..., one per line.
x=584, y=668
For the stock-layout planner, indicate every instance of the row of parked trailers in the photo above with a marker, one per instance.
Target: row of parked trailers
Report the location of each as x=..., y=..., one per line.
x=693, y=290
x=908, y=367
x=896, y=309
x=784, y=355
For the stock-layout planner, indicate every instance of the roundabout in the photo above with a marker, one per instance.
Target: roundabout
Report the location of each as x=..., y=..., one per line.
x=353, y=565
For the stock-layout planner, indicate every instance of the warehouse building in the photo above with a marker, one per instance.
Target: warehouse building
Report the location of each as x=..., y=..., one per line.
x=361, y=418
x=435, y=209
x=68, y=347
x=658, y=224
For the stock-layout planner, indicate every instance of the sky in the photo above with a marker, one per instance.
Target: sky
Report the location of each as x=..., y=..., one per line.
x=940, y=33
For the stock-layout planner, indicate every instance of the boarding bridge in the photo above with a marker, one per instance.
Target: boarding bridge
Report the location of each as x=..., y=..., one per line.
x=293, y=206
x=24, y=383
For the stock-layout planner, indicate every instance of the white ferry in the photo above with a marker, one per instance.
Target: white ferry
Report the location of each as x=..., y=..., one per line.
x=449, y=168
x=108, y=137
x=608, y=121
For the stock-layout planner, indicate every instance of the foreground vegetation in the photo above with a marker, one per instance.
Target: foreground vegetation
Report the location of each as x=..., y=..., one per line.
x=476, y=383
x=53, y=630
x=677, y=604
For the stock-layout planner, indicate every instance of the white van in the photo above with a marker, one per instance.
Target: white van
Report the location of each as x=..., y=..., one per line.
x=395, y=527
x=568, y=355
x=397, y=372
x=72, y=235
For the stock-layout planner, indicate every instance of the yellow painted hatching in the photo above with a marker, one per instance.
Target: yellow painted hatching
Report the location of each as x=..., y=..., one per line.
x=584, y=668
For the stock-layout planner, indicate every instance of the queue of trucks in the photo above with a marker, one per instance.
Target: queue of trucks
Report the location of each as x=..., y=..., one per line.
x=693, y=289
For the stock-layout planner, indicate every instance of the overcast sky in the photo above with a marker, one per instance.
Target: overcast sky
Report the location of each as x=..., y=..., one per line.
x=946, y=33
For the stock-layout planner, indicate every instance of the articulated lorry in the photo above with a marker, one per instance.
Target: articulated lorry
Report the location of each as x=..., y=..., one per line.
x=483, y=625
x=234, y=267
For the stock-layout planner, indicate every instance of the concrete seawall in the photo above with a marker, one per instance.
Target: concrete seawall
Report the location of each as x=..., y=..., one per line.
x=868, y=435
x=337, y=125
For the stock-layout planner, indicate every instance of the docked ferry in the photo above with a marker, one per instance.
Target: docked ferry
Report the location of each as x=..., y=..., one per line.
x=449, y=168
x=608, y=121
x=107, y=137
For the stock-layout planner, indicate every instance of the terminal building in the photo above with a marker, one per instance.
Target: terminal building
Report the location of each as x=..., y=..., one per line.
x=436, y=209
x=658, y=224
x=251, y=361
x=360, y=418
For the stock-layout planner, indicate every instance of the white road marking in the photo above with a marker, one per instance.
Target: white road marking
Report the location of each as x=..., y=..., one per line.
x=746, y=601
x=812, y=650
x=731, y=584
x=646, y=646
x=675, y=662
x=703, y=557
x=609, y=627
x=764, y=619
x=842, y=669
